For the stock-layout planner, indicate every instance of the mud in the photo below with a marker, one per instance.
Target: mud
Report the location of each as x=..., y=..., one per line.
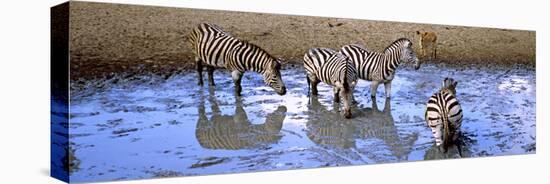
x=146, y=126
x=112, y=38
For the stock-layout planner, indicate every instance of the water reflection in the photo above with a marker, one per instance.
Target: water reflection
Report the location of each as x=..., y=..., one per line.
x=327, y=128
x=236, y=131
x=373, y=123
x=497, y=122
x=459, y=150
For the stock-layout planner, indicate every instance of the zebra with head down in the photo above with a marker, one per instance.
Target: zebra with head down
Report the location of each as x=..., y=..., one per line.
x=332, y=68
x=444, y=115
x=217, y=48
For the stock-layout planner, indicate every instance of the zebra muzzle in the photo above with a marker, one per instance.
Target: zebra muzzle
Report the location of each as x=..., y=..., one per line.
x=347, y=113
x=282, y=91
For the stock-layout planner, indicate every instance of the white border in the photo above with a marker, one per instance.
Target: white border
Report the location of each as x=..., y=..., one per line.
x=24, y=117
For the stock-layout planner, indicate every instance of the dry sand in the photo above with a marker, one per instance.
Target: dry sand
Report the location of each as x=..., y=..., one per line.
x=107, y=38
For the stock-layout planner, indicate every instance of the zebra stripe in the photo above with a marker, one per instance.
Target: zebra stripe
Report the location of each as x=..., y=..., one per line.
x=444, y=114
x=217, y=48
x=332, y=68
x=380, y=67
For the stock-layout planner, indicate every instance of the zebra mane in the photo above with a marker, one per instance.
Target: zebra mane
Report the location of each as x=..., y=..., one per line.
x=361, y=47
x=346, y=65
x=247, y=43
x=396, y=43
x=219, y=29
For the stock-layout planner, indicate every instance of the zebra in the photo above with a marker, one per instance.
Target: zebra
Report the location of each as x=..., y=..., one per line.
x=216, y=48
x=444, y=115
x=380, y=67
x=332, y=68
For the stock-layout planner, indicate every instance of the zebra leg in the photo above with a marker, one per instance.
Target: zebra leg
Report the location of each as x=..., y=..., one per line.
x=237, y=76
x=459, y=148
x=308, y=86
x=199, y=70
x=313, y=82
x=210, y=70
x=336, y=95
x=387, y=85
x=373, y=87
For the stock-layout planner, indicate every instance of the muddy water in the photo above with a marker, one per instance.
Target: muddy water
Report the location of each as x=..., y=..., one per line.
x=150, y=126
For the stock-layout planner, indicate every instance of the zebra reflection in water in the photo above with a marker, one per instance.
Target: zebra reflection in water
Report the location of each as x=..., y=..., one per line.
x=328, y=129
x=381, y=125
x=325, y=127
x=236, y=131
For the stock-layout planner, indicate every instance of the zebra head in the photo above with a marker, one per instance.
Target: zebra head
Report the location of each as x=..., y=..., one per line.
x=450, y=83
x=346, y=93
x=272, y=77
x=409, y=56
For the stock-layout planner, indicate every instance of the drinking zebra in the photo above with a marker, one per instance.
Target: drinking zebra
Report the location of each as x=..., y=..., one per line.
x=217, y=48
x=380, y=67
x=444, y=115
x=335, y=69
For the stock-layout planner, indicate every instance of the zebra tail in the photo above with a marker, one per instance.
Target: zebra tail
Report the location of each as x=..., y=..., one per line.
x=447, y=138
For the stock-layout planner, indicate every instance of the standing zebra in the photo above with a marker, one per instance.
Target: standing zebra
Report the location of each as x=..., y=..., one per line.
x=217, y=48
x=444, y=115
x=335, y=69
x=380, y=67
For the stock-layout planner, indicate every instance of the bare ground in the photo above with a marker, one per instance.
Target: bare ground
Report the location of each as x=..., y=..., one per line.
x=110, y=38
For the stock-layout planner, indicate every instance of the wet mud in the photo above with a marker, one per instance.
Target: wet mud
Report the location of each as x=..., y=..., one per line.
x=146, y=126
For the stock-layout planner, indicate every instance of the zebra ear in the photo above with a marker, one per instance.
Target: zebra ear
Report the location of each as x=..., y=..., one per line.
x=455, y=83
x=277, y=64
x=417, y=32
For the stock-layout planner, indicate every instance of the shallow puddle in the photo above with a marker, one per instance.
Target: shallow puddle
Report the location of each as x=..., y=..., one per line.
x=162, y=126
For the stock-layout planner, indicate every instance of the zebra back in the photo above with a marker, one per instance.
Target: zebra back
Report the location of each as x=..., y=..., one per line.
x=216, y=47
x=443, y=109
x=376, y=66
x=330, y=66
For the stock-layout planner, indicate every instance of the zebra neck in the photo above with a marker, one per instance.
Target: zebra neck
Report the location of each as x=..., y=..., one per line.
x=391, y=61
x=258, y=65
